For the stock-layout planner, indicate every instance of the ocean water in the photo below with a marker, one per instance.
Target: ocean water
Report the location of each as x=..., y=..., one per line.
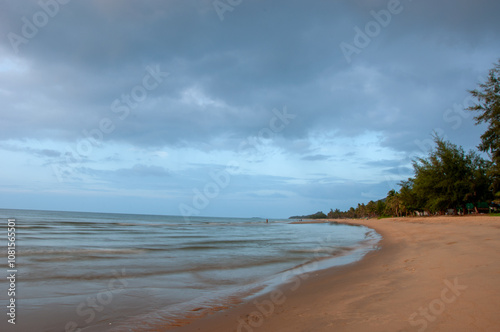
x=122, y=272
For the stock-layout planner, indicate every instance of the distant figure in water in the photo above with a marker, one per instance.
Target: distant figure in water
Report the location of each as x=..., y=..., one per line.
x=267, y=220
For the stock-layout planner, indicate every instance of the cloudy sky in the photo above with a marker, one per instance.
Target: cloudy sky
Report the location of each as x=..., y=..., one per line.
x=244, y=108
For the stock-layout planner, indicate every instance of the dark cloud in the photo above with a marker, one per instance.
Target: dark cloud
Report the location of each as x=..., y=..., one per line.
x=382, y=163
x=136, y=171
x=400, y=171
x=316, y=157
x=226, y=75
x=44, y=153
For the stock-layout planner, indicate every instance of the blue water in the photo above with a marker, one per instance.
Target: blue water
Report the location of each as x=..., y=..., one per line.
x=122, y=272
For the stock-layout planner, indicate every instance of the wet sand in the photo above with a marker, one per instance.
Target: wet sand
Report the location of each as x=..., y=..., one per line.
x=430, y=274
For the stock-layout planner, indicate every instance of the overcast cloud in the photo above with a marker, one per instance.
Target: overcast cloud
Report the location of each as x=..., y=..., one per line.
x=231, y=108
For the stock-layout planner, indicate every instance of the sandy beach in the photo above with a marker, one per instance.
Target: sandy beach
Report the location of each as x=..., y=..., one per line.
x=430, y=274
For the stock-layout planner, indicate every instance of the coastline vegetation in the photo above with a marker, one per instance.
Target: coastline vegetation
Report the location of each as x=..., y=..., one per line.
x=448, y=180
x=317, y=215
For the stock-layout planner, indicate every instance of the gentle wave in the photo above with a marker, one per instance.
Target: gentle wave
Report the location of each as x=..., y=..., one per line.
x=325, y=250
x=148, y=272
x=104, y=251
x=67, y=257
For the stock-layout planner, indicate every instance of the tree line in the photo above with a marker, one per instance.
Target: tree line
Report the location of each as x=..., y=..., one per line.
x=449, y=177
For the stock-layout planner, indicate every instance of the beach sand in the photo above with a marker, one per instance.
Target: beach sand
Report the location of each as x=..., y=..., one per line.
x=430, y=274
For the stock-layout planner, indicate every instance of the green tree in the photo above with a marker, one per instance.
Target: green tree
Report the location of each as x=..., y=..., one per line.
x=380, y=208
x=488, y=106
x=361, y=210
x=351, y=213
x=318, y=215
x=371, y=209
x=392, y=203
x=408, y=198
x=449, y=177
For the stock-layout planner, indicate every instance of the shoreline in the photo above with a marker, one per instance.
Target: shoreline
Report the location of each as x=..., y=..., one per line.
x=343, y=255
x=430, y=273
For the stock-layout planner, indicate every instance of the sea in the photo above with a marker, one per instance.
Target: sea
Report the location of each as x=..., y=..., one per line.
x=80, y=271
